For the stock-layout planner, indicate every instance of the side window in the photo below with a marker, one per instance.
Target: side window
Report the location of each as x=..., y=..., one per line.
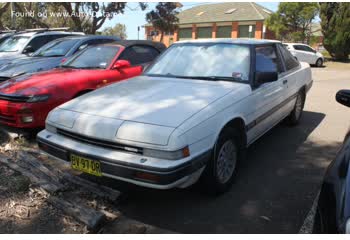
x=38, y=42
x=309, y=49
x=138, y=55
x=289, y=60
x=267, y=59
x=298, y=47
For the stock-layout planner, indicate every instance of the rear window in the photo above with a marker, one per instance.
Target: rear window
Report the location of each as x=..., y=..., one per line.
x=55, y=49
x=289, y=59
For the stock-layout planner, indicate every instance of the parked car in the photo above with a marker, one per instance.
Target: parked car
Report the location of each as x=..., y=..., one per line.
x=5, y=35
x=51, y=55
x=333, y=208
x=305, y=53
x=22, y=44
x=191, y=114
x=26, y=100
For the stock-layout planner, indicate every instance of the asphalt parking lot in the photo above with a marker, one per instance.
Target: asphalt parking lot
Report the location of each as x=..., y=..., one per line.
x=276, y=185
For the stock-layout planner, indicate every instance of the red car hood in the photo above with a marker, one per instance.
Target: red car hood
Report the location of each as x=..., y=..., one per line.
x=40, y=81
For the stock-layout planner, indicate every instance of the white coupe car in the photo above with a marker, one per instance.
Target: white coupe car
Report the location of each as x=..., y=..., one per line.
x=189, y=117
x=305, y=53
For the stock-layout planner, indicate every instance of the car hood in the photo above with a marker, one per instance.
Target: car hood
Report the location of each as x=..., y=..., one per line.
x=40, y=81
x=157, y=101
x=28, y=65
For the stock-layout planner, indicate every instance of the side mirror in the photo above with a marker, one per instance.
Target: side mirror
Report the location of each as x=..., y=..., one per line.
x=28, y=49
x=343, y=97
x=120, y=64
x=265, y=77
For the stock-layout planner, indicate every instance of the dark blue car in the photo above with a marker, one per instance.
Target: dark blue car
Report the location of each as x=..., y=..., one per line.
x=333, y=208
x=51, y=55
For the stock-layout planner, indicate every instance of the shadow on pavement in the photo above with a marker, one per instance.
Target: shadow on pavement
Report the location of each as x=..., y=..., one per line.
x=273, y=193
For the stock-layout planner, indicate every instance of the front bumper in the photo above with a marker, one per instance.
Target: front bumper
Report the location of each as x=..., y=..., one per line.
x=12, y=114
x=129, y=167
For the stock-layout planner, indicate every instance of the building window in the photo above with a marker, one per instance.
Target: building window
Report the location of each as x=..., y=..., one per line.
x=224, y=32
x=185, y=33
x=204, y=32
x=243, y=31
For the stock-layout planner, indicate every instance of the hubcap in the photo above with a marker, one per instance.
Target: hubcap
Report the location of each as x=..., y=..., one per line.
x=319, y=63
x=226, y=162
x=298, y=106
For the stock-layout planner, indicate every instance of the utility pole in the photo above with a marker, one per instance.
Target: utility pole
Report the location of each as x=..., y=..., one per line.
x=138, y=32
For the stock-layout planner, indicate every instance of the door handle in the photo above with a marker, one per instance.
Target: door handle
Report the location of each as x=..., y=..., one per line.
x=285, y=81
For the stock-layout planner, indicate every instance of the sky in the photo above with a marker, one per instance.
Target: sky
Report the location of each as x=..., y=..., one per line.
x=134, y=17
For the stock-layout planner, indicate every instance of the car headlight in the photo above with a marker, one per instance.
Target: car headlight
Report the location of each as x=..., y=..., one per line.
x=169, y=155
x=50, y=128
x=39, y=98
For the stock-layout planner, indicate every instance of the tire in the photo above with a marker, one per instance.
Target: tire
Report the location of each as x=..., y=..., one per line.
x=221, y=170
x=294, y=117
x=319, y=62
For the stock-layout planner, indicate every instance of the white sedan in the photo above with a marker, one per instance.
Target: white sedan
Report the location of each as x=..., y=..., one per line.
x=190, y=116
x=305, y=53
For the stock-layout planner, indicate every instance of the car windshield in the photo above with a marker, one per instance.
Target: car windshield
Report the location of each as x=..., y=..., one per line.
x=214, y=61
x=13, y=44
x=55, y=49
x=94, y=57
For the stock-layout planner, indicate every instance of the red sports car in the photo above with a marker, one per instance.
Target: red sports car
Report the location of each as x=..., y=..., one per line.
x=25, y=101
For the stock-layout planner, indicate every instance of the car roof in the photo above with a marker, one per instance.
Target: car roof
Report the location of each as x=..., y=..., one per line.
x=246, y=41
x=128, y=43
x=296, y=44
x=87, y=37
x=30, y=34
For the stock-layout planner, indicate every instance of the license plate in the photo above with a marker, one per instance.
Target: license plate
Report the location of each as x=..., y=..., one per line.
x=85, y=165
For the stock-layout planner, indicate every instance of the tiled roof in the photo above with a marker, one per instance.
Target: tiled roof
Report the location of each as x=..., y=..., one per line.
x=224, y=12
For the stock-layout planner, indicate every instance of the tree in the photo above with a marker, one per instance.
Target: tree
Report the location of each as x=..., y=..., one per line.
x=293, y=20
x=335, y=23
x=90, y=16
x=164, y=18
x=119, y=30
x=3, y=9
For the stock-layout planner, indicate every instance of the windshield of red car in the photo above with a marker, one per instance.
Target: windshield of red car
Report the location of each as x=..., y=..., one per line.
x=13, y=44
x=94, y=57
x=204, y=61
x=56, y=48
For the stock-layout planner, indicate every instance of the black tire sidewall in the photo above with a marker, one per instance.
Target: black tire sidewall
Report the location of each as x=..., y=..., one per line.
x=210, y=179
x=292, y=119
x=319, y=65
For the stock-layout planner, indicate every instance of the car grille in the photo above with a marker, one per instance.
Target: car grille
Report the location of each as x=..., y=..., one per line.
x=14, y=98
x=7, y=118
x=99, y=142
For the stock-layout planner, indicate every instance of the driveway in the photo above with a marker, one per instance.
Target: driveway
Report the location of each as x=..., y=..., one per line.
x=276, y=185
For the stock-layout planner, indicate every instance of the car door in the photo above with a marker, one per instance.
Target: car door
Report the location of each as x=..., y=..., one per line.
x=300, y=53
x=311, y=54
x=291, y=65
x=268, y=98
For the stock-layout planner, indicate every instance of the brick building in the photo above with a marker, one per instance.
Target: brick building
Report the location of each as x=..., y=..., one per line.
x=218, y=20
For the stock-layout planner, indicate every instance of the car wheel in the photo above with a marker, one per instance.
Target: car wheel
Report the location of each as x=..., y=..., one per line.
x=220, y=172
x=319, y=62
x=294, y=117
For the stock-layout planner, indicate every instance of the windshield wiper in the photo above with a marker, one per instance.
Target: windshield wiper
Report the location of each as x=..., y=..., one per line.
x=48, y=56
x=211, y=78
x=92, y=67
x=68, y=66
